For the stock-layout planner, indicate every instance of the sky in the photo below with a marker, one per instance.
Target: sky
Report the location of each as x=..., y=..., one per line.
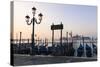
x=80, y=19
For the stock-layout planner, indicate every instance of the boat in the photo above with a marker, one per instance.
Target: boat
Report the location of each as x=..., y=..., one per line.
x=80, y=50
x=88, y=51
x=94, y=48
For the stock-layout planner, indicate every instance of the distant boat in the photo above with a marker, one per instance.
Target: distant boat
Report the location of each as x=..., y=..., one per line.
x=80, y=50
x=88, y=51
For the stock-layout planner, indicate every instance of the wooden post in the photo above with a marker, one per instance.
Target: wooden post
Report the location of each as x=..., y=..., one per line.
x=67, y=37
x=20, y=38
x=52, y=37
x=61, y=38
x=67, y=42
x=20, y=41
x=28, y=41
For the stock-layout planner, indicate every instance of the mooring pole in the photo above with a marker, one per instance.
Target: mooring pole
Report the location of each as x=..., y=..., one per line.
x=20, y=41
x=67, y=37
x=52, y=37
x=20, y=38
x=61, y=38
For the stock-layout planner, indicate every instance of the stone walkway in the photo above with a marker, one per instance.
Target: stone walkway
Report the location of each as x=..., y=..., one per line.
x=20, y=60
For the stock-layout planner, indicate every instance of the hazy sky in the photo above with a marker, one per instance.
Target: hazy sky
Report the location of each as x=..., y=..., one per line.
x=79, y=19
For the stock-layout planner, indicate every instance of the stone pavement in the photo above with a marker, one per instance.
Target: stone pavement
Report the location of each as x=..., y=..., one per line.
x=20, y=60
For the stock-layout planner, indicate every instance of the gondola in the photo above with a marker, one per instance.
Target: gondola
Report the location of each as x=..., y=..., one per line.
x=88, y=51
x=80, y=50
x=42, y=50
x=94, y=48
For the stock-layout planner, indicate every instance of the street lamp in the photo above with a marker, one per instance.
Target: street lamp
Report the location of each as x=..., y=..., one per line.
x=40, y=16
x=27, y=18
x=33, y=11
x=33, y=21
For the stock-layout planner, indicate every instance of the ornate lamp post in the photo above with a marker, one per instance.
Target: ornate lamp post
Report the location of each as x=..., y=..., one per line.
x=33, y=21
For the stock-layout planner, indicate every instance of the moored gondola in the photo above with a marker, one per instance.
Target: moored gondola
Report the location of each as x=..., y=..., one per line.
x=88, y=51
x=94, y=48
x=80, y=50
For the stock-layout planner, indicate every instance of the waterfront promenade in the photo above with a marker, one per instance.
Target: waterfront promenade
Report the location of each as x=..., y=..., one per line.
x=20, y=60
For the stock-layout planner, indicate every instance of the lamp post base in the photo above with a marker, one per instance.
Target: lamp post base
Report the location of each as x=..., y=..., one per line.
x=32, y=50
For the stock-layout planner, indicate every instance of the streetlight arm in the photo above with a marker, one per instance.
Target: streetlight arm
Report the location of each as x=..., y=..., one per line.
x=29, y=23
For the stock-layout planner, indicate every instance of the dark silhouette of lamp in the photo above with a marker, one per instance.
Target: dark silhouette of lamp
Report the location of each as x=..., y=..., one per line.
x=33, y=21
